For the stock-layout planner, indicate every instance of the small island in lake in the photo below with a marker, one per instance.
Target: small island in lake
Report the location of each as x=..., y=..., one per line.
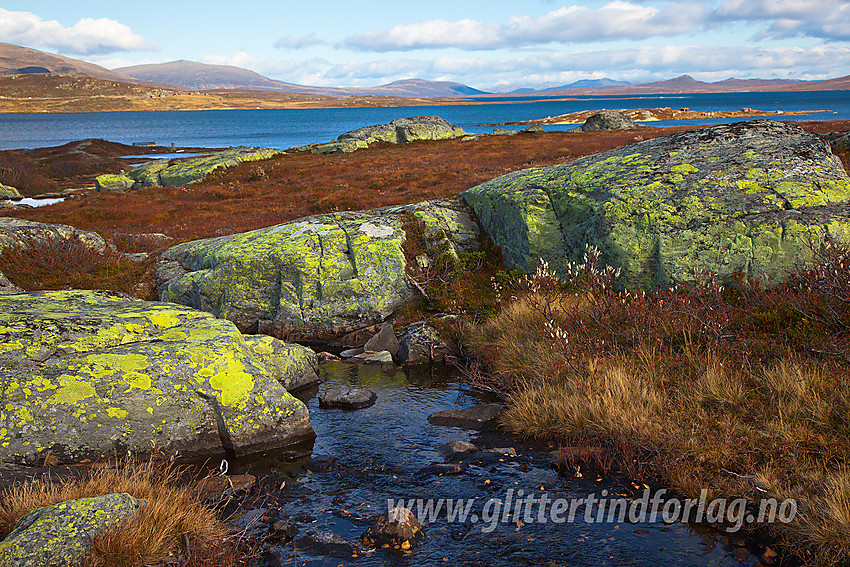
x=665, y=113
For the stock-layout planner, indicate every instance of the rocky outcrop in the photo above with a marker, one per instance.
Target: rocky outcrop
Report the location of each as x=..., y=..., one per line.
x=85, y=374
x=420, y=343
x=744, y=197
x=399, y=131
x=6, y=286
x=19, y=233
x=7, y=192
x=396, y=528
x=608, y=120
x=177, y=172
x=61, y=534
x=312, y=279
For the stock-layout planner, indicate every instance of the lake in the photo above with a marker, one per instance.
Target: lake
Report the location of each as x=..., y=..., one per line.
x=293, y=127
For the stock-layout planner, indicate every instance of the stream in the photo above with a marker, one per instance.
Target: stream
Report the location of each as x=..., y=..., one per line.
x=362, y=458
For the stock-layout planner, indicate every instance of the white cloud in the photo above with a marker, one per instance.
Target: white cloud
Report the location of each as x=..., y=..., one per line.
x=289, y=42
x=89, y=36
x=469, y=34
x=826, y=19
x=616, y=20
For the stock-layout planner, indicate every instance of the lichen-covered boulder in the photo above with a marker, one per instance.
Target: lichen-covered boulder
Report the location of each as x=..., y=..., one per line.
x=177, y=172
x=744, y=198
x=316, y=278
x=117, y=183
x=19, y=233
x=399, y=131
x=293, y=365
x=60, y=535
x=6, y=191
x=608, y=120
x=85, y=374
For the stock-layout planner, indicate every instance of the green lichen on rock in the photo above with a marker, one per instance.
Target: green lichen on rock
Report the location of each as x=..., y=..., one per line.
x=399, y=131
x=311, y=279
x=746, y=197
x=85, y=374
x=60, y=535
x=19, y=233
x=7, y=191
x=321, y=275
x=293, y=365
x=178, y=172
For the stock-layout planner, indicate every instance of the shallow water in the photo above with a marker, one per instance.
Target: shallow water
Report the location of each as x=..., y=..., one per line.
x=384, y=452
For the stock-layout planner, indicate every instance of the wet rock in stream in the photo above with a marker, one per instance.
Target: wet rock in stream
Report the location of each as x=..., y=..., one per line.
x=347, y=397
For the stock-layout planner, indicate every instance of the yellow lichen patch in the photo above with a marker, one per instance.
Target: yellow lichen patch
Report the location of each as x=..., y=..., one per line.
x=117, y=413
x=72, y=390
x=228, y=376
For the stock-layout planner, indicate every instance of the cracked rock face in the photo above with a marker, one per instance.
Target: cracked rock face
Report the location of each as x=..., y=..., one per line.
x=85, y=374
x=744, y=197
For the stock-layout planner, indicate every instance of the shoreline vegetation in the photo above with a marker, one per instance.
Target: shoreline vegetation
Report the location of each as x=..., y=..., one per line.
x=731, y=386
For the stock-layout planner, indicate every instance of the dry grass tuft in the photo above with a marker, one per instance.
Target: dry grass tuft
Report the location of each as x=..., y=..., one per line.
x=741, y=391
x=172, y=518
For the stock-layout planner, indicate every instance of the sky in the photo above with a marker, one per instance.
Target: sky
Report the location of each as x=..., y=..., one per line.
x=488, y=44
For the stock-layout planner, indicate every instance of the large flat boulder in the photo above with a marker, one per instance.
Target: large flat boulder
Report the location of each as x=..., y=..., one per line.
x=85, y=374
x=178, y=172
x=399, y=131
x=20, y=234
x=312, y=279
x=739, y=198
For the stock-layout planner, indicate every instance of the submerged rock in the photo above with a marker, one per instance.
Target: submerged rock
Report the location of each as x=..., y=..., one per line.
x=86, y=374
x=177, y=172
x=327, y=544
x=399, y=131
x=313, y=279
x=475, y=417
x=746, y=197
x=608, y=120
x=61, y=534
x=347, y=397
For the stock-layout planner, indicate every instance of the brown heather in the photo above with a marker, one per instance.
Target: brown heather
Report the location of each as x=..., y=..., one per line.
x=740, y=390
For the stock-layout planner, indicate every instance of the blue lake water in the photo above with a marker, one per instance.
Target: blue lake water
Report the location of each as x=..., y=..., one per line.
x=287, y=128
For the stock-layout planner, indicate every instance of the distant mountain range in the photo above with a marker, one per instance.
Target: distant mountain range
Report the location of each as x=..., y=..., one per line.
x=193, y=76
x=15, y=59
x=201, y=76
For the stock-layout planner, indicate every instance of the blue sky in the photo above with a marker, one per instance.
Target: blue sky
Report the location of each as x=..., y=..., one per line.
x=488, y=44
